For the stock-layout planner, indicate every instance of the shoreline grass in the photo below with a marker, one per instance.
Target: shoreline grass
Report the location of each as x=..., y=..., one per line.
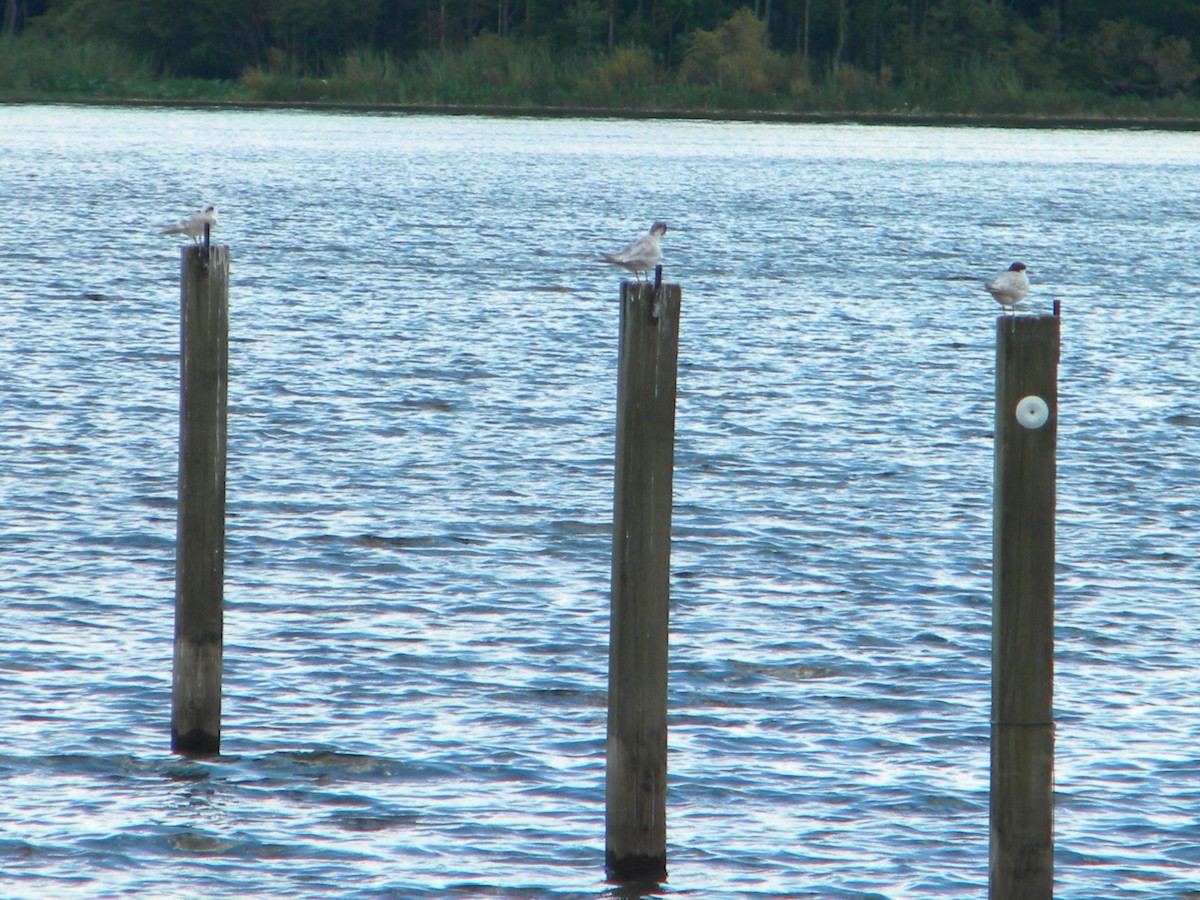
x=502, y=77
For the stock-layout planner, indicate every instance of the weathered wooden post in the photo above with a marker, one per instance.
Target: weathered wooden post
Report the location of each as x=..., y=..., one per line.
x=636, y=786
x=1022, y=777
x=200, y=521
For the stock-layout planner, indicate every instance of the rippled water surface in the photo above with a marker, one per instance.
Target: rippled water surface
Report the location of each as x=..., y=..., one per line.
x=420, y=490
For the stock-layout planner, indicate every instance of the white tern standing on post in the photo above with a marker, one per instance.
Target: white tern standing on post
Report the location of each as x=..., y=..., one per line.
x=1009, y=288
x=640, y=256
x=193, y=225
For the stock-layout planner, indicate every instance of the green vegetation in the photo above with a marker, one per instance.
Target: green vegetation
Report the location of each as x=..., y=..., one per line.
x=903, y=57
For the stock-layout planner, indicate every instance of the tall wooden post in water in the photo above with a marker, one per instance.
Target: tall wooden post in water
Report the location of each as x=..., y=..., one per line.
x=200, y=524
x=1022, y=777
x=636, y=784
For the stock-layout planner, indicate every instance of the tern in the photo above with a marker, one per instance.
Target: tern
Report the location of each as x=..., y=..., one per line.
x=640, y=256
x=1009, y=287
x=193, y=225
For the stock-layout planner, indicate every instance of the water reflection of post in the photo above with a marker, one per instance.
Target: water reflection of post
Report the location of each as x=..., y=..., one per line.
x=200, y=522
x=636, y=782
x=1022, y=776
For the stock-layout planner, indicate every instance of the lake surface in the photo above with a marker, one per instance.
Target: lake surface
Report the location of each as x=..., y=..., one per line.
x=422, y=400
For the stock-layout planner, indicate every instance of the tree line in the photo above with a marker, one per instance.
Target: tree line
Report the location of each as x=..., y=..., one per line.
x=1113, y=46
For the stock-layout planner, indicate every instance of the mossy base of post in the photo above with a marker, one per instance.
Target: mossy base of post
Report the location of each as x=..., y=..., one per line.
x=636, y=867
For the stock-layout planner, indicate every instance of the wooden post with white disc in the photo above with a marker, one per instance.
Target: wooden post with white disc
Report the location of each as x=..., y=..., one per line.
x=1021, y=863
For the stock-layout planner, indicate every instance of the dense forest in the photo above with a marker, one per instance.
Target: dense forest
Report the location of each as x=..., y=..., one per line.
x=920, y=49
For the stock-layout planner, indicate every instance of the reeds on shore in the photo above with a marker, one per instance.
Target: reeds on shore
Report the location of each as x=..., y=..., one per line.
x=493, y=71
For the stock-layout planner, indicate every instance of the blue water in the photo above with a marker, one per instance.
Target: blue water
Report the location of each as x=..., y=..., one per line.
x=420, y=489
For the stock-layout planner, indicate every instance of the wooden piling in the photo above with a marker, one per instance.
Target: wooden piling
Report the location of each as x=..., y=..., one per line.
x=200, y=518
x=1022, y=765
x=636, y=783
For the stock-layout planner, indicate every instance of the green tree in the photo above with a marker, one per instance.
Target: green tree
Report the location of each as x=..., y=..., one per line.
x=734, y=56
x=1175, y=67
x=182, y=38
x=1121, y=56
